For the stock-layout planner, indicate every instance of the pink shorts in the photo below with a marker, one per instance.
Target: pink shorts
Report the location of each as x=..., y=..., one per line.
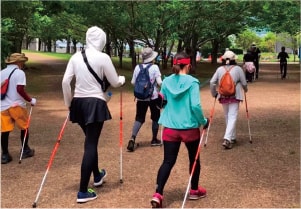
x=178, y=135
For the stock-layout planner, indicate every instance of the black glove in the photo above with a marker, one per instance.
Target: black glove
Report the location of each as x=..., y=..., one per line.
x=161, y=101
x=207, y=124
x=164, y=103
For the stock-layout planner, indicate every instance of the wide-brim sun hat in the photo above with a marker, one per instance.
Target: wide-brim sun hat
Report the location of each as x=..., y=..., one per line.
x=148, y=55
x=229, y=55
x=16, y=57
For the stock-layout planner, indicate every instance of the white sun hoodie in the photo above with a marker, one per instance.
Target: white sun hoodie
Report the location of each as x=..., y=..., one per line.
x=85, y=83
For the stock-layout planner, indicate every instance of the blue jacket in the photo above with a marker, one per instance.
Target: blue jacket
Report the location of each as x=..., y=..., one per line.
x=183, y=109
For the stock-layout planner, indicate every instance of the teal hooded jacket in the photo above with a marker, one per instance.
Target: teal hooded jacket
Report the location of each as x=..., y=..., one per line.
x=183, y=109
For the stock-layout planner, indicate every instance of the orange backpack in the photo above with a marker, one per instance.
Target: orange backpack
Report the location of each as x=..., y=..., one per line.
x=226, y=84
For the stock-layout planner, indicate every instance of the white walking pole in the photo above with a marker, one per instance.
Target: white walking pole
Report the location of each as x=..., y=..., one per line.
x=193, y=167
x=26, y=132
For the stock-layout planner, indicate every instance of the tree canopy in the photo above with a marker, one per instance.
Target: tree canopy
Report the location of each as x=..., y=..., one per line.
x=160, y=24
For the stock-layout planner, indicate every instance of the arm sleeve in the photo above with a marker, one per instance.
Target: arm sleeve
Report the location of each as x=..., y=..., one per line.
x=111, y=74
x=158, y=75
x=22, y=92
x=135, y=73
x=69, y=73
x=243, y=80
x=213, y=84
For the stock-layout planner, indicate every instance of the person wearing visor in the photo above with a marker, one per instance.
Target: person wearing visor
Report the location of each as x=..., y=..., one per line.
x=181, y=118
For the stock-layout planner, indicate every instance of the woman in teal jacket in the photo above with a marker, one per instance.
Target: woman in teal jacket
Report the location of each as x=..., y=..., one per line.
x=181, y=118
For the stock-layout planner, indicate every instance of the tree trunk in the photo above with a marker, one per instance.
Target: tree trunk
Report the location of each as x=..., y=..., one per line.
x=215, y=46
x=132, y=52
x=49, y=44
x=180, y=47
x=120, y=54
x=108, y=46
x=40, y=44
x=68, y=46
x=74, y=46
x=193, y=52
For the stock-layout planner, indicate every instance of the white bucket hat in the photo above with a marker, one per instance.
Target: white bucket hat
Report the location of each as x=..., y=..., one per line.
x=229, y=55
x=148, y=55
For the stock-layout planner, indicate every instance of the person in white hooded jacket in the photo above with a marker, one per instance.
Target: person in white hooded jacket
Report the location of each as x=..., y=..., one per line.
x=88, y=105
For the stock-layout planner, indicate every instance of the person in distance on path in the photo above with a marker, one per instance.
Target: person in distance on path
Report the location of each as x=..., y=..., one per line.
x=283, y=56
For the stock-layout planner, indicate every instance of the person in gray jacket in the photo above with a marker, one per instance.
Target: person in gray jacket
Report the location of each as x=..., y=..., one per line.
x=230, y=104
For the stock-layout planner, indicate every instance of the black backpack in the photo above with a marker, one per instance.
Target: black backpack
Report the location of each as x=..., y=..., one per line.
x=143, y=88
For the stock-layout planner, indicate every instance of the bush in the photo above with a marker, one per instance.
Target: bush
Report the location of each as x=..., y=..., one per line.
x=207, y=51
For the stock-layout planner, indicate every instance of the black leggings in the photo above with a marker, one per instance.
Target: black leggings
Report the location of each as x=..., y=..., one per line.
x=4, y=140
x=90, y=158
x=171, y=150
x=283, y=69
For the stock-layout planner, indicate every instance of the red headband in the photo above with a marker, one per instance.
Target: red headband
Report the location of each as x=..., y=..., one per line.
x=184, y=61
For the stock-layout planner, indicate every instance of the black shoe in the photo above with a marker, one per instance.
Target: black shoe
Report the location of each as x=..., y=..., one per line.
x=27, y=152
x=131, y=145
x=156, y=142
x=6, y=158
x=227, y=144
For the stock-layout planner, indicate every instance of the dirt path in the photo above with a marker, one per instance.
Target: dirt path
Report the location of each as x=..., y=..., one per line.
x=265, y=174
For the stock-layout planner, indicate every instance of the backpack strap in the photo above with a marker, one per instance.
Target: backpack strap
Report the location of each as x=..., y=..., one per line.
x=232, y=66
x=92, y=71
x=146, y=68
x=3, y=82
x=12, y=73
x=226, y=69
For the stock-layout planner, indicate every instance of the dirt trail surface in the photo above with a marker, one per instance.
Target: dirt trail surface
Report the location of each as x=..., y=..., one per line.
x=264, y=174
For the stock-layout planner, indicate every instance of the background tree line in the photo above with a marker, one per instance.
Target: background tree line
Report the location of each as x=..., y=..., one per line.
x=163, y=25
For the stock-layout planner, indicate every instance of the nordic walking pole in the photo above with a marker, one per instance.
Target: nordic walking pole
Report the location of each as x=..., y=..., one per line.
x=193, y=167
x=161, y=135
x=26, y=132
x=248, y=117
x=211, y=117
x=34, y=205
x=120, y=136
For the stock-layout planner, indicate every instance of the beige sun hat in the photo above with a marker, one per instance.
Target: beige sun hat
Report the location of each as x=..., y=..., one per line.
x=148, y=55
x=16, y=57
x=229, y=55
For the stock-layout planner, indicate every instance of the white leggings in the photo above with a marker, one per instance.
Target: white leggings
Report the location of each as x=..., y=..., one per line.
x=231, y=113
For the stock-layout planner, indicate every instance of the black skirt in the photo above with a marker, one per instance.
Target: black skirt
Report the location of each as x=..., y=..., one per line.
x=89, y=110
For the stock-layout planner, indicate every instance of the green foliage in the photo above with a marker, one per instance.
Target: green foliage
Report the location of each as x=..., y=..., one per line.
x=268, y=42
x=189, y=24
x=246, y=38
